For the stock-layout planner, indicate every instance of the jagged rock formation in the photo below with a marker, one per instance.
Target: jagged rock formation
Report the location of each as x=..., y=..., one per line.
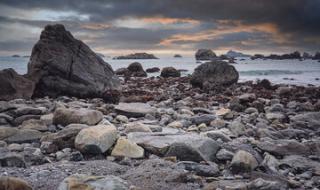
x=63, y=65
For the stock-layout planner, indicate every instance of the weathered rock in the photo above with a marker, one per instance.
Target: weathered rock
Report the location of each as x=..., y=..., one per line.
x=25, y=136
x=126, y=148
x=6, y=132
x=5, y=106
x=237, y=128
x=214, y=74
x=175, y=124
x=167, y=72
x=13, y=183
x=270, y=163
x=19, y=120
x=222, y=112
x=73, y=68
x=122, y=119
x=96, y=139
x=247, y=97
x=204, y=118
x=304, y=121
x=224, y=155
x=153, y=70
x=84, y=182
x=189, y=147
x=136, y=127
x=275, y=116
x=300, y=163
x=136, y=70
x=27, y=111
x=14, y=86
x=222, y=134
x=227, y=185
x=205, y=54
x=65, y=116
x=35, y=125
x=265, y=184
x=64, y=138
x=211, y=170
x=8, y=159
x=134, y=109
x=284, y=147
x=243, y=162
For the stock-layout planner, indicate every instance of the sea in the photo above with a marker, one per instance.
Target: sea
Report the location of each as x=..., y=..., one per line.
x=295, y=72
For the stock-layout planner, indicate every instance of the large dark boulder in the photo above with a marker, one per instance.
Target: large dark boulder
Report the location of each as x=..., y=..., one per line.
x=205, y=54
x=63, y=65
x=136, y=70
x=170, y=72
x=14, y=86
x=213, y=75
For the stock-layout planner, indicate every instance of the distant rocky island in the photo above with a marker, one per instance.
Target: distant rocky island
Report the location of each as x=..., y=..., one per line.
x=294, y=55
x=177, y=56
x=15, y=55
x=137, y=56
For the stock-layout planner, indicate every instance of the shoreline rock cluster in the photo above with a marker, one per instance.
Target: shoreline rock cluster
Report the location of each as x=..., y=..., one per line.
x=204, y=131
x=245, y=135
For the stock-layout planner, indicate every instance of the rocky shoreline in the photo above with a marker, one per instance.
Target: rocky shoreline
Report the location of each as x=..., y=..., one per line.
x=72, y=124
x=248, y=136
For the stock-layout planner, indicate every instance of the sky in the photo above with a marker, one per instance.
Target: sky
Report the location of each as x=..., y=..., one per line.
x=165, y=27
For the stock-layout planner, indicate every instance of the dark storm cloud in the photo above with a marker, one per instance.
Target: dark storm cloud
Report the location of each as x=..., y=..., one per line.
x=287, y=14
x=294, y=22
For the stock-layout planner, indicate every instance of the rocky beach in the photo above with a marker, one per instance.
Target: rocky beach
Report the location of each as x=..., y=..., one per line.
x=73, y=123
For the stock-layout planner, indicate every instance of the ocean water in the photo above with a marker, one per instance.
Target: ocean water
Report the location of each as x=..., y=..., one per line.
x=277, y=71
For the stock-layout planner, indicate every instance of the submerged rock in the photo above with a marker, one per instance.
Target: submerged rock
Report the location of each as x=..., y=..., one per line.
x=14, y=86
x=214, y=74
x=63, y=65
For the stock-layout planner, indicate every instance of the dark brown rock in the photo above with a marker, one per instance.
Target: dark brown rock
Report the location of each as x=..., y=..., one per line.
x=214, y=74
x=63, y=65
x=136, y=70
x=14, y=86
x=170, y=72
